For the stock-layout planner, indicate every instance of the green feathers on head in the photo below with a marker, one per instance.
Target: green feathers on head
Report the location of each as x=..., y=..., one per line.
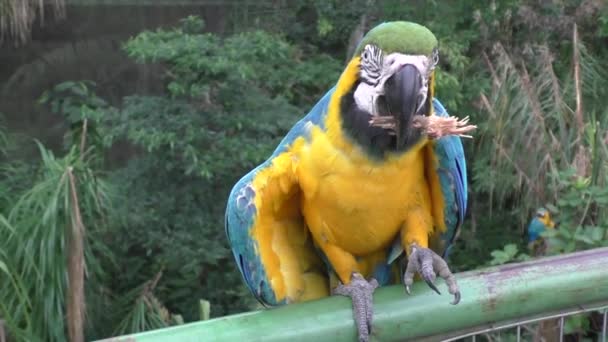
x=400, y=36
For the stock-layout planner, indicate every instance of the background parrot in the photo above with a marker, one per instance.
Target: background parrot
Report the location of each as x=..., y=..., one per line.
x=539, y=223
x=547, y=330
x=339, y=200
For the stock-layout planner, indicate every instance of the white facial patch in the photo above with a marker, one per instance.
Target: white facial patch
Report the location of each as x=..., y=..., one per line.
x=365, y=95
x=395, y=61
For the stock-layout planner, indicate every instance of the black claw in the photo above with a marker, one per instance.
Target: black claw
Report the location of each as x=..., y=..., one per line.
x=429, y=265
x=432, y=286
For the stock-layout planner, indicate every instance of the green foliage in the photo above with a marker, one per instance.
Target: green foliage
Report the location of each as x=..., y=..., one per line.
x=532, y=107
x=227, y=104
x=509, y=253
x=207, y=69
x=76, y=100
x=334, y=22
x=603, y=21
x=19, y=322
x=33, y=240
x=143, y=311
x=78, y=103
x=583, y=222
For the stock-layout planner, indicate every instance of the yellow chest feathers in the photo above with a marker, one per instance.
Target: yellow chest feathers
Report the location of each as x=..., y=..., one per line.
x=355, y=202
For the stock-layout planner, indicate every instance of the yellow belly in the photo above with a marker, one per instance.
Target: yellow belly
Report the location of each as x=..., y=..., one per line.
x=357, y=204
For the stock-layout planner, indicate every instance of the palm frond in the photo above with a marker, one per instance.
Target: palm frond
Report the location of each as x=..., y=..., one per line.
x=39, y=235
x=142, y=310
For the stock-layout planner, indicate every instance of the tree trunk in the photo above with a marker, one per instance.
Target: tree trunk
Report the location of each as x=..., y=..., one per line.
x=75, y=301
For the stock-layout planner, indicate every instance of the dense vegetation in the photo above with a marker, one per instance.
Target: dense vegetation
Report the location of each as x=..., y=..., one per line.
x=140, y=242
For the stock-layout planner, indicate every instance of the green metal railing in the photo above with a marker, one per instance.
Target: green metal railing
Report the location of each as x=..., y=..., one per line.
x=494, y=298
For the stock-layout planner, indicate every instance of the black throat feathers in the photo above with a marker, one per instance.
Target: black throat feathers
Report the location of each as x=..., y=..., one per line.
x=374, y=140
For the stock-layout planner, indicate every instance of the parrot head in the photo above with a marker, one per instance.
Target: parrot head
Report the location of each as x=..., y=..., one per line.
x=394, y=78
x=540, y=222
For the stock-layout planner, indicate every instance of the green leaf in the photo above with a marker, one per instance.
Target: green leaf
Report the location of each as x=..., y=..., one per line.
x=510, y=249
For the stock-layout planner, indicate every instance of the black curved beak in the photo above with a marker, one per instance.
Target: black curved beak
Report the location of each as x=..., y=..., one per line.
x=402, y=92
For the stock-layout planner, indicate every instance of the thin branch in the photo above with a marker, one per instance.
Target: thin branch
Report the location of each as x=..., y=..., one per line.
x=151, y=284
x=154, y=282
x=486, y=103
x=581, y=158
x=524, y=77
x=147, y=295
x=556, y=89
x=83, y=137
x=519, y=170
x=495, y=79
x=577, y=84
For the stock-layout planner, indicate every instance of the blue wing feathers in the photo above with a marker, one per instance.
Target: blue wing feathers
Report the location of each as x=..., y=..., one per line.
x=453, y=177
x=241, y=211
x=316, y=116
x=240, y=214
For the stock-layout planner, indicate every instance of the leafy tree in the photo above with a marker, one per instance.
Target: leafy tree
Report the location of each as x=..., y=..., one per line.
x=227, y=104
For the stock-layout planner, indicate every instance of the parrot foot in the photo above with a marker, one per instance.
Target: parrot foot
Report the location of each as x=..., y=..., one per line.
x=426, y=262
x=360, y=291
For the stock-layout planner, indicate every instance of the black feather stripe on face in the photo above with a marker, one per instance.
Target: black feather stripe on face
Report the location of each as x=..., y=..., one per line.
x=371, y=65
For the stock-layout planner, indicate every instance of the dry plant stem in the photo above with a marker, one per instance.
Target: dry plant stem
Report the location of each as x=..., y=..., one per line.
x=83, y=137
x=433, y=126
x=581, y=159
x=577, y=85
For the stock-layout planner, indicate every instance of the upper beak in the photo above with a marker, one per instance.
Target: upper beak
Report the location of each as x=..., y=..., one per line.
x=402, y=92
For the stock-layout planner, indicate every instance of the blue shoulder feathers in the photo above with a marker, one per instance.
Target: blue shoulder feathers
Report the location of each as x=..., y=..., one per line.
x=241, y=210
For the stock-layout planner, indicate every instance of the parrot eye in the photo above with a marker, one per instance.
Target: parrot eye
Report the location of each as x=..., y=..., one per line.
x=365, y=55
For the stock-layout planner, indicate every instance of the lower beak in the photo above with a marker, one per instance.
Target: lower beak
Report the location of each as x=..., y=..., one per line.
x=402, y=92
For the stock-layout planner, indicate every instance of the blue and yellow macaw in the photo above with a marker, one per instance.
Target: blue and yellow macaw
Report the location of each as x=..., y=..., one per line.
x=540, y=222
x=339, y=200
x=548, y=330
